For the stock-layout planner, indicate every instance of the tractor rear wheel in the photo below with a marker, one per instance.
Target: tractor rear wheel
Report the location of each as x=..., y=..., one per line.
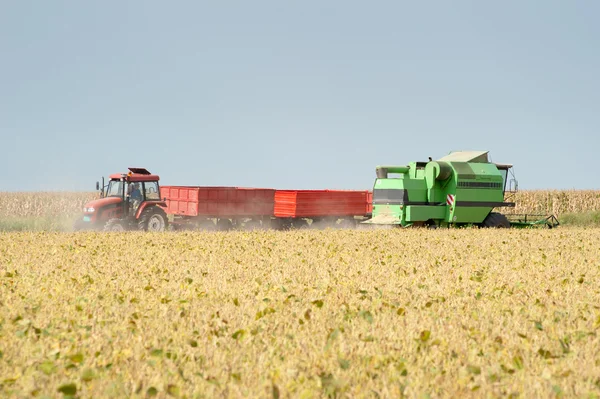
x=115, y=225
x=496, y=220
x=153, y=219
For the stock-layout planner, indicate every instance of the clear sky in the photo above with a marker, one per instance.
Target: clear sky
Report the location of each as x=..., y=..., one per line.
x=304, y=94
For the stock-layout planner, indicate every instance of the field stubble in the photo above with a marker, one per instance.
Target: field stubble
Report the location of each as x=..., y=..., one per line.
x=444, y=313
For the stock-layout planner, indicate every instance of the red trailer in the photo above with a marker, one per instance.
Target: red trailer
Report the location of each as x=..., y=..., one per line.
x=321, y=207
x=220, y=207
x=224, y=208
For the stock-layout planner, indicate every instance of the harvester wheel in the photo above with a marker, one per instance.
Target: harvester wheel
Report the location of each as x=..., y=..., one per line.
x=153, y=219
x=496, y=220
x=430, y=224
x=115, y=225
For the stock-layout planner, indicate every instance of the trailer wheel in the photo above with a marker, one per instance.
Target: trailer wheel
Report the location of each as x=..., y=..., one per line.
x=346, y=224
x=252, y=225
x=153, y=219
x=205, y=225
x=281, y=224
x=496, y=220
x=300, y=224
x=224, y=225
x=115, y=225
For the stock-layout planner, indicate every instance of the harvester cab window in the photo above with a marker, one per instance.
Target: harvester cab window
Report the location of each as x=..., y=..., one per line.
x=504, y=173
x=115, y=189
x=151, y=189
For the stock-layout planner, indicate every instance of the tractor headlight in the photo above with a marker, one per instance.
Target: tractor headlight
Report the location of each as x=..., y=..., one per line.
x=88, y=210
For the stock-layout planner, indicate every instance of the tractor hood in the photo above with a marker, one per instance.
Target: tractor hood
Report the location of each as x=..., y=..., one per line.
x=102, y=202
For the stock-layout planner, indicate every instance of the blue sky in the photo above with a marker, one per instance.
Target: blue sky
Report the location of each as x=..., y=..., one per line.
x=310, y=94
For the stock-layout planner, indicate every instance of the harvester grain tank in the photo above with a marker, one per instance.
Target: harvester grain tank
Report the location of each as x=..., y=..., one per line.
x=461, y=188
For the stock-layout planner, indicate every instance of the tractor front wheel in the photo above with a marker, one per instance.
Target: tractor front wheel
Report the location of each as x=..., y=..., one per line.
x=153, y=219
x=78, y=225
x=115, y=225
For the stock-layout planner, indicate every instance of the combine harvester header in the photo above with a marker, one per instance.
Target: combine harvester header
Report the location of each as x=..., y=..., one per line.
x=462, y=188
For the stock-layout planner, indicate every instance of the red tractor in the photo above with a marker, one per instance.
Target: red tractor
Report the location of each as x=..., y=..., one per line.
x=129, y=202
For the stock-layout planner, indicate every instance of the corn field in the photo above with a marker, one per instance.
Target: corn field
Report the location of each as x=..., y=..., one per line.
x=556, y=202
x=35, y=204
x=304, y=314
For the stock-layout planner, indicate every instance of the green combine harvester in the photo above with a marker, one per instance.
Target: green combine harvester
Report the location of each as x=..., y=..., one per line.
x=460, y=189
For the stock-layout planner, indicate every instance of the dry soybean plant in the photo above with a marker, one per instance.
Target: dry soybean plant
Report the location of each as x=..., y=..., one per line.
x=308, y=314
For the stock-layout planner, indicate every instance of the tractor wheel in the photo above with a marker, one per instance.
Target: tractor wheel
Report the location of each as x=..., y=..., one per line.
x=78, y=225
x=496, y=220
x=153, y=219
x=115, y=225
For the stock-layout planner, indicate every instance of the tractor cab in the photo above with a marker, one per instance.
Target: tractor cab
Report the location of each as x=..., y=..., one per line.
x=130, y=201
x=133, y=188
